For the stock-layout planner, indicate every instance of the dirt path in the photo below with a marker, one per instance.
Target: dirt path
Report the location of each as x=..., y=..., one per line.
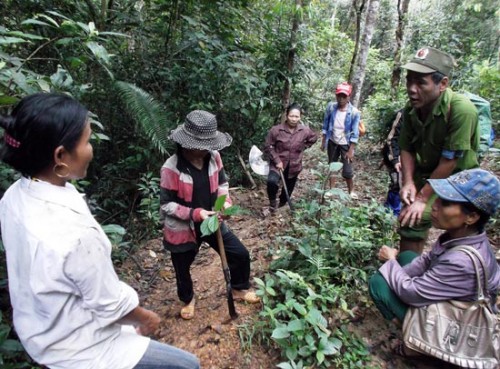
x=211, y=335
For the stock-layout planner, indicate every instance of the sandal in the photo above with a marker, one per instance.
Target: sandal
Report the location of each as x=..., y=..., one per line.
x=245, y=295
x=187, y=312
x=267, y=211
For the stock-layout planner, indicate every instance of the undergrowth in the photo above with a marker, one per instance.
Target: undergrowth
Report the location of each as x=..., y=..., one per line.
x=319, y=275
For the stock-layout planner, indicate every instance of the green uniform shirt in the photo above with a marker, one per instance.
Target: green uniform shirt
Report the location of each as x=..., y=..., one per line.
x=451, y=126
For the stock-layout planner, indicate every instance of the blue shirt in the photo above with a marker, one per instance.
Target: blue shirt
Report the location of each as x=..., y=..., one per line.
x=351, y=123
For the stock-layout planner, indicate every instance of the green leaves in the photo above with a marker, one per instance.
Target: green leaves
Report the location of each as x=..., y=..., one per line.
x=148, y=113
x=4, y=40
x=209, y=225
x=335, y=166
x=8, y=347
x=99, y=51
x=320, y=273
x=280, y=333
x=219, y=203
x=295, y=325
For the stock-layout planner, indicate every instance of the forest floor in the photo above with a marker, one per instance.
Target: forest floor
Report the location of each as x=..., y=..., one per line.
x=221, y=343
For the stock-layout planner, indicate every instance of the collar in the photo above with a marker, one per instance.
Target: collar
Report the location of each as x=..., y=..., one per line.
x=285, y=127
x=442, y=104
x=66, y=196
x=443, y=243
x=348, y=107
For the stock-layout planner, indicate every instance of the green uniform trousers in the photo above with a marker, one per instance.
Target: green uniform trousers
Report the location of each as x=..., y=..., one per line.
x=384, y=297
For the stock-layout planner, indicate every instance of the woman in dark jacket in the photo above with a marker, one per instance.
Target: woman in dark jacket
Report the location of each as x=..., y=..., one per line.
x=285, y=145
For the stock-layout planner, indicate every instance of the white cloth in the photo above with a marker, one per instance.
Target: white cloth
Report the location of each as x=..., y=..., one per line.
x=339, y=128
x=64, y=290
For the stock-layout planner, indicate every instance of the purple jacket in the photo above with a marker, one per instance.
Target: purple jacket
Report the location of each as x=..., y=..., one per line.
x=442, y=274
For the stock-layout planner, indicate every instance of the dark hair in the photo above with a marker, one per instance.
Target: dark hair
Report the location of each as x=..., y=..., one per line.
x=437, y=77
x=293, y=106
x=484, y=218
x=38, y=124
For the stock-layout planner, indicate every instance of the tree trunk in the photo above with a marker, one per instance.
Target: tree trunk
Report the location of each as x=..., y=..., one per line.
x=332, y=26
x=104, y=8
x=359, y=76
x=358, y=14
x=396, y=71
x=285, y=101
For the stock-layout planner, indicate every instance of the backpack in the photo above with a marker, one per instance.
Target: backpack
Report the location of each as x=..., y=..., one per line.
x=484, y=118
x=391, y=152
x=362, y=128
x=484, y=122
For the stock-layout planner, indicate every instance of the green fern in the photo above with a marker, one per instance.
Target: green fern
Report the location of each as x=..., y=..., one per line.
x=149, y=114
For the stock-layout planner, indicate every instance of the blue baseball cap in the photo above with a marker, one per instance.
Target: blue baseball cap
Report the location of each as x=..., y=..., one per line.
x=477, y=186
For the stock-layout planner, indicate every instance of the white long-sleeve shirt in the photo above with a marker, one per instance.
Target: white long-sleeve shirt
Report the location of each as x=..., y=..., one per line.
x=65, y=293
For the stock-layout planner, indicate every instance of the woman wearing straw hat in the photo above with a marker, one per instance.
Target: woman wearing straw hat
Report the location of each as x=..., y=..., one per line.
x=191, y=181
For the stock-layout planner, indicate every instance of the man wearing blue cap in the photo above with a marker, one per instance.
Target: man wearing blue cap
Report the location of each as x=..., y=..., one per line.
x=440, y=137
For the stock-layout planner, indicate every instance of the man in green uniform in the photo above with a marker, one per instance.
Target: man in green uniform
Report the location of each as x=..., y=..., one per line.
x=439, y=137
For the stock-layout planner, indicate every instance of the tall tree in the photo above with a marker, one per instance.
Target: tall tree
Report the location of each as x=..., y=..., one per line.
x=359, y=76
x=297, y=17
x=358, y=6
x=403, y=6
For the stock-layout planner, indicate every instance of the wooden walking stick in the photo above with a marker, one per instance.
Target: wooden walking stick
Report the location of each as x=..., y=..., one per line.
x=227, y=275
x=286, y=190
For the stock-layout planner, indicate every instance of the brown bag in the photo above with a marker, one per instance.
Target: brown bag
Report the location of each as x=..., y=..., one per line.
x=462, y=333
x=362, y=128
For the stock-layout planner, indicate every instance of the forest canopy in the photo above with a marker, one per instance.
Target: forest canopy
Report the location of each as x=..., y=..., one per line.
x=141, y=66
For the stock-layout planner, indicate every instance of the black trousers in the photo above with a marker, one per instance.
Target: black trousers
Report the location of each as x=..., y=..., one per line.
x=273, y=181
x=334, y=152
x=238, y=260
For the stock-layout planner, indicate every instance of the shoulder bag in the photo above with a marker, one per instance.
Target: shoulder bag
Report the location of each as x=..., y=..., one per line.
x=462, y=333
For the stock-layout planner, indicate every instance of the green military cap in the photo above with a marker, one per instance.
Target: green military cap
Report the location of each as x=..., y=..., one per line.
x=429, y=60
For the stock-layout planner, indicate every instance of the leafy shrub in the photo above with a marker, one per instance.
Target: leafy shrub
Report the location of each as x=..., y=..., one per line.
x=379, y=111
x=149, y=206
x=321, y=272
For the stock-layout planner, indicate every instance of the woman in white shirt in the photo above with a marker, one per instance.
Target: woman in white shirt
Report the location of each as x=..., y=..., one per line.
x=69, y=308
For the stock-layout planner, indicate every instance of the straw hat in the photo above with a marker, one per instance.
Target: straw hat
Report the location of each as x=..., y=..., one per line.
x=199, y=132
